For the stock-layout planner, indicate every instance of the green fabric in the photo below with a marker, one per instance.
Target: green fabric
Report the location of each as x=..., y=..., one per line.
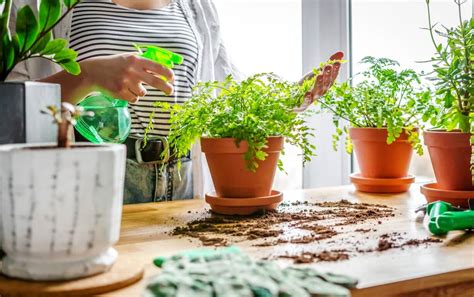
x=236, y=274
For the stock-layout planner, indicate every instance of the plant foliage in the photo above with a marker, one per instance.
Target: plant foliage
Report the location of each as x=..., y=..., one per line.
x=453, y=73
x=385, y=97
x=33, y=38
x=252, y=110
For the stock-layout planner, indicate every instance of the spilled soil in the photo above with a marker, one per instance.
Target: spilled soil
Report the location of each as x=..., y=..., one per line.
x=303, y=223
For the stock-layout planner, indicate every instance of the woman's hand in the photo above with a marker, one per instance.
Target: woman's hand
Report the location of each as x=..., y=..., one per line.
x=123, y=75
x=322, y=83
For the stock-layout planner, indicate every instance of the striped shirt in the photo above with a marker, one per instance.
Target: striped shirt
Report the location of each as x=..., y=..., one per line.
x=102, y=28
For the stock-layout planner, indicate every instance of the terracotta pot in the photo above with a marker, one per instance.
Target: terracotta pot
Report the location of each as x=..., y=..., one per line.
x=450, y=154
x=228, y=167
x=377, y=159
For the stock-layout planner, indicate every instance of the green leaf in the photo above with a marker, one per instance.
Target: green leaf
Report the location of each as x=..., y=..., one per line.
x=65, y=54
x=49, y=13
x=8, y=52
x=41, y=44
x=70, y=3
x=54, y=46
x=70, y=66
x=26, y=28
x=261, y=155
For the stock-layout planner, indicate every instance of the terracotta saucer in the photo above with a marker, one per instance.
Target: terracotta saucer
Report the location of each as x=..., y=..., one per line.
x=381, y=185
x=243, y=206
x=456, y=198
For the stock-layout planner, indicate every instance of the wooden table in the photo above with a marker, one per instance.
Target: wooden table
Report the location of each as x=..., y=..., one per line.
x=441, y=269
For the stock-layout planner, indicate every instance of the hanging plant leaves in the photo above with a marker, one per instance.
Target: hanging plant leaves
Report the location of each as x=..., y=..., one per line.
x=49, y=14
x=26, y=28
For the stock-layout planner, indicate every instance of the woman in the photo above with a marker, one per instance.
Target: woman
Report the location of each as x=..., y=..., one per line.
x=103, y=33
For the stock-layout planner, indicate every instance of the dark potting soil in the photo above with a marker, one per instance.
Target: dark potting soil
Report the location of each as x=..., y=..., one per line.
x=302, y=223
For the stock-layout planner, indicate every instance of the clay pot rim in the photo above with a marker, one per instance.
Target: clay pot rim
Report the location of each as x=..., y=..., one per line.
x=52, y=147
x=373, y=134
x=226, y=145
x=233, y=138
x=356, y=178
x=274, y=197
x=444, y=131
x=431, y=189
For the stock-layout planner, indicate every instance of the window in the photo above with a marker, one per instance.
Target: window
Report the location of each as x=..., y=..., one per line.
x=265, y=36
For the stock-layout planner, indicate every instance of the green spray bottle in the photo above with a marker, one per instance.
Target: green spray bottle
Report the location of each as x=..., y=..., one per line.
x=111, y=122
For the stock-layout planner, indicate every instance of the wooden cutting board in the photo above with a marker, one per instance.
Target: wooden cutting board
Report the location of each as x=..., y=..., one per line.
x=124, y=273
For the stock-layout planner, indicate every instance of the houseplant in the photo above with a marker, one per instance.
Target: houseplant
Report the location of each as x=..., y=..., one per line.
x=23, y=36
x=380, y=114
x=60, y=205
x=453, y=73
x=242, y=127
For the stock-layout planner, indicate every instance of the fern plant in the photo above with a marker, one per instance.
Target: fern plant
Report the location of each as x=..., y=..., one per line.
x=385, y=97
x=33, y=38
x=252, y=110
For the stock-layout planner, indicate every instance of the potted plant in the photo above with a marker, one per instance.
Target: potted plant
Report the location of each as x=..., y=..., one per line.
x=449, y=144
x=32, y=38
x=381, y=114
x=242, y=127
x=60, y=205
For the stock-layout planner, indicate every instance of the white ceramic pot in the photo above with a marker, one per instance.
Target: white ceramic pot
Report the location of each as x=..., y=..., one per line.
x=60, y=209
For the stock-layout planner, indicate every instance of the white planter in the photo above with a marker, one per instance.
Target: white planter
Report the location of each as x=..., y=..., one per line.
x=60, y=209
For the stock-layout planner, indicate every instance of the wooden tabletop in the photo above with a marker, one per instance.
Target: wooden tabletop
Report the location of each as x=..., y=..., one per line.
x=439, y=269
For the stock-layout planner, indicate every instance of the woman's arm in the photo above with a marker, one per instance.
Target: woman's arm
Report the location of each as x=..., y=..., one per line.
x=120, y=76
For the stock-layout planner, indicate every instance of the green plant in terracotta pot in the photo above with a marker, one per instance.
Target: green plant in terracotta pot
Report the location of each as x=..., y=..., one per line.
x=453, y=73
x=242, y=127
x=380, y=111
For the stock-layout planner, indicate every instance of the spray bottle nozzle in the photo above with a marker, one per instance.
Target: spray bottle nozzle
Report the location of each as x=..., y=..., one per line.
x=161, y=56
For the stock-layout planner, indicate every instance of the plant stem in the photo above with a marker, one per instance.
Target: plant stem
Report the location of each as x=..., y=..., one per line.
x=64, y=134
x=339, y=115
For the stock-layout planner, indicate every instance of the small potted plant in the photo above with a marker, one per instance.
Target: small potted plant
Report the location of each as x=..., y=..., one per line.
x=242, y=127
x=60, y=205
x=381, y=114
x=449, y=144
x=31, y=38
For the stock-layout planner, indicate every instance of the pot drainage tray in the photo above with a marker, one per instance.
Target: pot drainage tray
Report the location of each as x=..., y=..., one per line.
x=456, y=198
x=381, y=185
x=243, y=206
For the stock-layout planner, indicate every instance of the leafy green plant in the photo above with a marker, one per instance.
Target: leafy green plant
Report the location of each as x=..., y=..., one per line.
x=453, y=73
x=252, y=110
x=33, y=36
x=385, y=97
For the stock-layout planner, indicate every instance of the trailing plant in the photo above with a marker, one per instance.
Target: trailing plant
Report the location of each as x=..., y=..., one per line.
x=453, y=73
x=384, y=97
x=33, y=38
x=252, y=110
x=65, y=117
